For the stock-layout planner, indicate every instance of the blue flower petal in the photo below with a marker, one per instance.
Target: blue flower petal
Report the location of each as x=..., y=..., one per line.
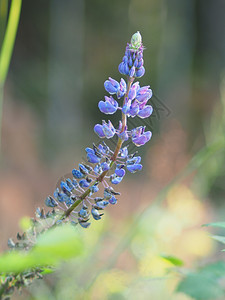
x=112, y=200
x=96, y=214
x=92, y=158
x=145, y=112
x=115, y=179
x=77, y=174
x=84, y=183
x=105, y=166
x=134, y=168
x=98, y=129
x=120, y=172
x=140, y=72
x=50, y=202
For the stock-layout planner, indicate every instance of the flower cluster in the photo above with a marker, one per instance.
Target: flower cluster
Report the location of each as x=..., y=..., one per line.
x=89, y=190
x=132, y=64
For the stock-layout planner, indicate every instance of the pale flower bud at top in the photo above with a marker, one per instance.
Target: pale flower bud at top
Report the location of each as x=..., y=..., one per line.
x=136, y=40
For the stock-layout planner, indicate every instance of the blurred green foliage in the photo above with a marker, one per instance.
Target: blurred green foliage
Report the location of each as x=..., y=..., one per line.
x=204, y=284
x=52, y=246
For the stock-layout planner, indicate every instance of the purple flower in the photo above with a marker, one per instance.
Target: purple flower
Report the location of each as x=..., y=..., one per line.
x=97, y=169
x=84, y=183
x=105, y=166
x=144, y=94
x=108, y=129
x=135, y=105
x=133, y=164
x=83, y=170
x=100, y=204
x=94, y=189
x=83, y=213
x=139, y=137
x=140, y=63
x=98, y=129
x=61, y=197
x=122, y=88
x=104, y=149
x=123, y=152
x=112, y=200
x=50, y=202
x=134, y=160
x=95, y=213
x=65, y=188
x=77, y=174
x=123, y=135
x=134, y=108
x=126, y=68
x=133, y=90
x=140, y=72
x=92, y=157
x=75, y=183
x=120, y=172
x=105, y=130
x=134, y=168
x=132, y=70
x=145, y=112
x=109, y=106
x=115, y=179
x=122, y=67
x=111, y=86
x=126, y=107
x=109, y=192
x=83, y=223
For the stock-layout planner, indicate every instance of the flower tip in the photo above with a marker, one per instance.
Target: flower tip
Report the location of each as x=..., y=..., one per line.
x=136, y=40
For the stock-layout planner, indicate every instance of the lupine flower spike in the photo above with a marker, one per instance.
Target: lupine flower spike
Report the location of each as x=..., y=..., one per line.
x=78, y=198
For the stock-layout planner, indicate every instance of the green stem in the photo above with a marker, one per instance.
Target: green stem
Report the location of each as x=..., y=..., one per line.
x=3, y=18
x=113, y=158
x=7, y=48
x=9, y=40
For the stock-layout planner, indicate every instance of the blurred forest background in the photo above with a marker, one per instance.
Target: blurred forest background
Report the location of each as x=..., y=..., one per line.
x=64, y=52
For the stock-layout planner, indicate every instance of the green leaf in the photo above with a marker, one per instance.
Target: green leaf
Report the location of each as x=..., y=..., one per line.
x=200, y=287
x=174, y=260
x=219, y=238
x=217, y=224
x=52, y=247
x=204, y=284
x=216, y=269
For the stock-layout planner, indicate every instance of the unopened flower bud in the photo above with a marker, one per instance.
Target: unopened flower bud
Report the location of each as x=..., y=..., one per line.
x=136, y=40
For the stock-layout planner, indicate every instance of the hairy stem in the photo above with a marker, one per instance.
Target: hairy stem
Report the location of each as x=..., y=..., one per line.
x=113, y=158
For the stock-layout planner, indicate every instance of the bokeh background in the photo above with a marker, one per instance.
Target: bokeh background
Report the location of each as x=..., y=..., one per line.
x=64, y=52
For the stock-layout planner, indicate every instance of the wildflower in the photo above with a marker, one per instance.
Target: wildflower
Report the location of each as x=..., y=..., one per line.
x=108, y=167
